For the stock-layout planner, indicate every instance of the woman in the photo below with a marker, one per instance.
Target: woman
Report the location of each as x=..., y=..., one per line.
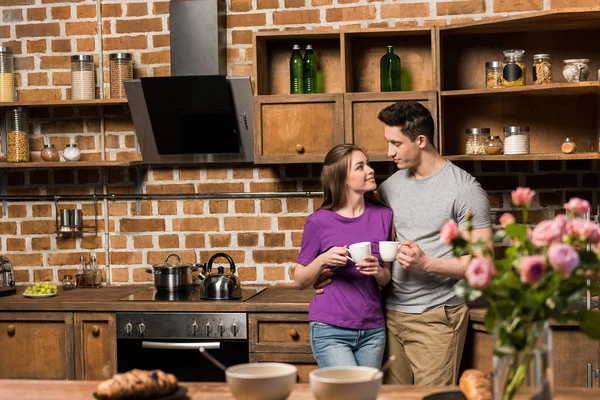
x=347, y=327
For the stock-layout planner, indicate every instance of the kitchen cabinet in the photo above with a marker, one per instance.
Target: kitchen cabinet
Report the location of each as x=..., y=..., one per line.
x=281, y=337
x=444, y=69
x=95, y=345
x=36, y=345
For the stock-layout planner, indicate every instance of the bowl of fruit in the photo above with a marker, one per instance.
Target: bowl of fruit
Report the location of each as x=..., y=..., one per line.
x=41, y=289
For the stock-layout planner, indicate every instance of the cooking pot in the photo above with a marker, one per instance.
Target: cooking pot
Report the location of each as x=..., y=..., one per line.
x=220, y=285
x=172, y=277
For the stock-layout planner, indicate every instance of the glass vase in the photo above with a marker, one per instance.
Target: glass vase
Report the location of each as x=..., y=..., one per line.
x=528, y=370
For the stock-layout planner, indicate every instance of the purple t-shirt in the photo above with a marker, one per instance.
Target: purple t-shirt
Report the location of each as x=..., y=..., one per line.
x=351, y=300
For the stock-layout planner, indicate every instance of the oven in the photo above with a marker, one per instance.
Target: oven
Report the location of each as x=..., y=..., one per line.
x=171, y=342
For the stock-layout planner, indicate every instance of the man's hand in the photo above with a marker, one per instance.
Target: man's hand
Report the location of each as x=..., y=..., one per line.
x=323, y=280
x=411, y=257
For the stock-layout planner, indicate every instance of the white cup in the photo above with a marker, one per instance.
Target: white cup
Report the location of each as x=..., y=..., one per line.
x=388, y=250
x=358, y=251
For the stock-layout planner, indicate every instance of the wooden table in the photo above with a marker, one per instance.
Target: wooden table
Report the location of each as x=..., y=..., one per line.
x=79, y=390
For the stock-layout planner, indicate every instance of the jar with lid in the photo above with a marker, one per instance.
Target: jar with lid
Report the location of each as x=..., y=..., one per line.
x=2, y=152
x=493, y=145
x=82, y=78
x=576, y=69
x=542, y=69
x=49, y=153
x=493, y=74
x=71, y=153
x=17, y=138
x=68, y=283
x=7, y=75
x=516, y=140
x=513, y=68
x=476, y=140
x=121, y=69
x=568, y=146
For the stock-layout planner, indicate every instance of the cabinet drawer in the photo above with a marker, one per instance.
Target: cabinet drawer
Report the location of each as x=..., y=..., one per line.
x=304, y=362
x=279, y=333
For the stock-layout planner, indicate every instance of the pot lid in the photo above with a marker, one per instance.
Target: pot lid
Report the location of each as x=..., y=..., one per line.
x=173, y=266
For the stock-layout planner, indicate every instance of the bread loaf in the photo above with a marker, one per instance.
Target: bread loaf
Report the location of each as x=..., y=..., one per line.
x=475, y=385
x=137, y=384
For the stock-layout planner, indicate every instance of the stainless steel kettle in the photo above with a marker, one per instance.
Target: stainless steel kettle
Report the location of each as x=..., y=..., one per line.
x=220, y=285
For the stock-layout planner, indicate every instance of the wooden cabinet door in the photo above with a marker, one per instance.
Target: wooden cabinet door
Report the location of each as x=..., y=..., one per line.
x=304, y=362
x=279, y=333
x=297, y=129
x=571, y=352
x=95, y=346
x=364, y=129
x=36, y=345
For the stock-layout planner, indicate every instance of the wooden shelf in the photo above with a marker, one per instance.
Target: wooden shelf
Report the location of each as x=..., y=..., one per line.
x=553, y=89
x=527, y=157
x=65, y=103
x=65, y=164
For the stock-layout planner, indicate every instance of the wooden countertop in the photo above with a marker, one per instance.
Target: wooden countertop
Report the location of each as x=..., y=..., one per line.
x=272, y=299
x=80, y=390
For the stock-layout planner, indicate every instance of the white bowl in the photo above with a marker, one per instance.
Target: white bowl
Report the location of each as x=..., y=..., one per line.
x=345, y=383
x=261, y=381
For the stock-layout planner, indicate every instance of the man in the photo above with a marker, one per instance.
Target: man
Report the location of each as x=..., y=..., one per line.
x=426, y=322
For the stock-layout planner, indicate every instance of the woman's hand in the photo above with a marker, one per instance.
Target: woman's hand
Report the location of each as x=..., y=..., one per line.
x=334, y=257
x=370, y=266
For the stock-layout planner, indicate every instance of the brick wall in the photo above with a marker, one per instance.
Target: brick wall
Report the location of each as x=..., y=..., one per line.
x=262, y=235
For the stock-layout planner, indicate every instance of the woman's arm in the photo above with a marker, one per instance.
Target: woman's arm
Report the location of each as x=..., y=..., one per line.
x=306, y=275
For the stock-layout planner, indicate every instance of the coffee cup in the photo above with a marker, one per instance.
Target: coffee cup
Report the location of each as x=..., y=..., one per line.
x=358, y=251
x=388, y=250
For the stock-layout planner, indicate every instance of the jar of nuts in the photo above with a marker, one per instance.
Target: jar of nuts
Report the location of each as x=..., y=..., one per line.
x=542, y=69
x=17, y=138
x=513, y=71
x=121, y=69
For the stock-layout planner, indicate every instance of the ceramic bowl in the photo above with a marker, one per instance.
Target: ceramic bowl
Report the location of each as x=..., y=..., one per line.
x=345, y=383
x=261, y=381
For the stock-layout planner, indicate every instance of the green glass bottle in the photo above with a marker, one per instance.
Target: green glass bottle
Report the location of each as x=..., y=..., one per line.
x=296, y=66
x=310, y=71
x=389, y=71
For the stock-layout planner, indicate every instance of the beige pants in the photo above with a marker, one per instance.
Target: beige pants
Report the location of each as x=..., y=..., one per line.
x=428, y=347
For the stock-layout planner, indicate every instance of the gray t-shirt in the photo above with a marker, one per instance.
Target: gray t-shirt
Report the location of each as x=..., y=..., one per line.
x=421, y=207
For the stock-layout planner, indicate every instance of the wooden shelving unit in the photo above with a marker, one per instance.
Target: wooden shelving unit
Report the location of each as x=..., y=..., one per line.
x=554, y=89
x=528, y=157
x=65, y=103
x=66, y=164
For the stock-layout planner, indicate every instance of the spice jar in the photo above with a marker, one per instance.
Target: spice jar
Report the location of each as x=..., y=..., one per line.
x=71, y=153
x=49, y=153
x=493, y=74
x=68, y=283
x=493, y=145
x=542, y=69
x=516, y=139
x=513, y=68
x=568, y=146
x=476, y=140
x=17, y=138
x=7, y=75
x=82, y=78
x=2, y=152
x=576, y=69
x=121, y=69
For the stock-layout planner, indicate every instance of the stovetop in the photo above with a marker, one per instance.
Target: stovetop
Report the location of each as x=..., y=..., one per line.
x=151, y=294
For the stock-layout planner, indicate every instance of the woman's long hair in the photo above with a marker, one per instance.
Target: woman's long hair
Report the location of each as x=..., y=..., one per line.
x=335, y=174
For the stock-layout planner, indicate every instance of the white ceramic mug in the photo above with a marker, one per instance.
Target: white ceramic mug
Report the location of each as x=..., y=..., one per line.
x=388, y=250
x=358, y=251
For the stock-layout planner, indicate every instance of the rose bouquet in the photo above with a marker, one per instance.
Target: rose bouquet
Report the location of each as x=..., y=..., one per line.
x=545, y=270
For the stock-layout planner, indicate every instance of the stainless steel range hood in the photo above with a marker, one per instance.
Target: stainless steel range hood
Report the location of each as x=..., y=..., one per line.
x=198, y=115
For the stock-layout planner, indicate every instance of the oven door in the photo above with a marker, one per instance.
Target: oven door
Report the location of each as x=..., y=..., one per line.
x=181, y=358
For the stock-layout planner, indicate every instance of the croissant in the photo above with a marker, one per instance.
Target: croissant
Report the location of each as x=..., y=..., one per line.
x=137, y=384
x=475, y=385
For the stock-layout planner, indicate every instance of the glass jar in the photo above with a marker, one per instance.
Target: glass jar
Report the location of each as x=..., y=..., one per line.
x=516, y=140
x=68, y=283
x=476, y=140
x=82, y=78
x=568, y=146
x=576, y=69
x=493, y=74
x=71, y=153
x=2, y=152
x=49, y=153
x=17, y=138
x=7, y=75
x=513, y=68
x=493, y=145
x=121, y=69
x=542, y=69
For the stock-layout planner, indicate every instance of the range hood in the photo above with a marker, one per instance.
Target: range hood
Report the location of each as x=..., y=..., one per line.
x=198, y=115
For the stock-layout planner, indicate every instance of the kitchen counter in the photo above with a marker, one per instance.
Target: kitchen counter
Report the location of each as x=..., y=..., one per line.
x=80, y=390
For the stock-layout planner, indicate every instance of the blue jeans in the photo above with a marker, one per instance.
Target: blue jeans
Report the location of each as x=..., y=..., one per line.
x=333, y=346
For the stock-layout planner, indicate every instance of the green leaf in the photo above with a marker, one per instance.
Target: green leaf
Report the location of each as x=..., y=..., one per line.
x=499, y=236
x=512, y=281
x=490, y=319
x=589, y=321
x=517, y=231
x=588, y=257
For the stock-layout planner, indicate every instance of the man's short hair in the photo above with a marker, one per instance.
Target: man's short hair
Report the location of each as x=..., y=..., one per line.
x=411, y=117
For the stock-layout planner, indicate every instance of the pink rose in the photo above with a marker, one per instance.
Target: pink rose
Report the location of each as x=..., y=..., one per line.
x=584, y=230
x=547, y=232
x=563, y=258
x=578, y=206
x=480, y=272
x=507, y=219
x=532, y=269
x=449, y=232
x=522, y=196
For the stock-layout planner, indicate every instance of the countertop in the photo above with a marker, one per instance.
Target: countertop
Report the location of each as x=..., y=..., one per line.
x=79, y=390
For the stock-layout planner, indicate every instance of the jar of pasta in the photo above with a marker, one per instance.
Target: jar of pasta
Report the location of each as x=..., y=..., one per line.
x=476, y=140
x=7, y=75
x=542, y=69
x=513, y=68
x=17, y=138
x=493, y=74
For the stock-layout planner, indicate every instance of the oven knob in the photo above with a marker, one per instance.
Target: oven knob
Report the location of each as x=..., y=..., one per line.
x=128, y=328
x=234, y=329
x=221, y=329
x=142, y=328
x=207, y=328
x=194, y=328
